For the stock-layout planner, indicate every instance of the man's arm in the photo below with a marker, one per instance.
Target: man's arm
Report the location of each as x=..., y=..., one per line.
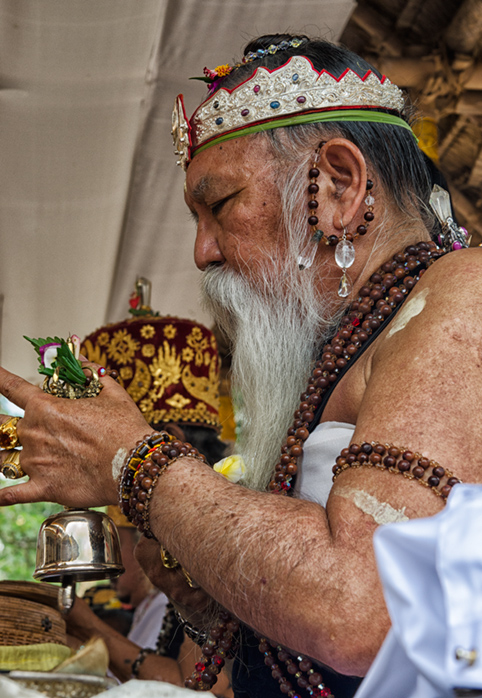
x=83, y=624
x=305, y=576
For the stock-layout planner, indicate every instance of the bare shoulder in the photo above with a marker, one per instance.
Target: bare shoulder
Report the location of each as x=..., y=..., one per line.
x=424, y=383
x=456, y=277
x=443, y=306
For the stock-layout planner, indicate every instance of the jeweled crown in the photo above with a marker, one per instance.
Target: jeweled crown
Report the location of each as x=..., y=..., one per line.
x=295, y=87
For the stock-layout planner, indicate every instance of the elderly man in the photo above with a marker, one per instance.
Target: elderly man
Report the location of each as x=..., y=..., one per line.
x=314, y=235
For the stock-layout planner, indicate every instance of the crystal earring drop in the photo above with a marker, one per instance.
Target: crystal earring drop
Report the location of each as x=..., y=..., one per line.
x=344, y=258
x=308, y=253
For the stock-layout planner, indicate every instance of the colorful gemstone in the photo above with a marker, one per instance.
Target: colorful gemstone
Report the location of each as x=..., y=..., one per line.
x=457, y=246
x=102, y=371
x=256, y=89
x=301, y=99
x=215, y=105
x=274, y=105
x=219, y=120
x=295, y=77
x=245, y=112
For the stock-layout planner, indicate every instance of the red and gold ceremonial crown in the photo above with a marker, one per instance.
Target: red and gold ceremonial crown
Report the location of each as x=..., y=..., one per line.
x=168, y=365
x=294, y=93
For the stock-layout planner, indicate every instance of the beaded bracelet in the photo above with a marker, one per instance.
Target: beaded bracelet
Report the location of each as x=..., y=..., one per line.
x=136, y=664
x=397, y=460
x=144, y=466
x=135, y=458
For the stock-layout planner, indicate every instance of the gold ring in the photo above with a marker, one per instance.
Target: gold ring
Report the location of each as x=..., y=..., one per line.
x=168, y=561
x=8, y=433
x=11, y=468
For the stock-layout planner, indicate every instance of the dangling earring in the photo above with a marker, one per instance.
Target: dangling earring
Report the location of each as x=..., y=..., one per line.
x=451, y=236
x=345, y=251
x=344, y=258
x=308, y=253
x=369, y=215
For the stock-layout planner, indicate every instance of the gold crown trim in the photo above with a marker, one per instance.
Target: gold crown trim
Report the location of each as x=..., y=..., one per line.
x=293, y=88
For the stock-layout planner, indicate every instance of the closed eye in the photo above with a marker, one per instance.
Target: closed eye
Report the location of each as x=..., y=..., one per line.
x=216, y=207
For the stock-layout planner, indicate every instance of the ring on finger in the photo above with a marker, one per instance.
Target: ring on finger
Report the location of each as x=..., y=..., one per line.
x=11, y=468
x=8, y=433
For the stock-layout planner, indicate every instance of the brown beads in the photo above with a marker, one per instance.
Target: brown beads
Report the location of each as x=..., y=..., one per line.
x=220, y=645
x=144, y=465
x=385, y=291
x=299, y=668
x=397, y=460
x=313, y=189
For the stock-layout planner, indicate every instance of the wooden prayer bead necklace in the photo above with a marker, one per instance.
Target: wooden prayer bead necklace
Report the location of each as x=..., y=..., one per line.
x=377, y=301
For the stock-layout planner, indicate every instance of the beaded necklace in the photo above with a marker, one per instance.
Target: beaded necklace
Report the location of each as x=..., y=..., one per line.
x=377, y=301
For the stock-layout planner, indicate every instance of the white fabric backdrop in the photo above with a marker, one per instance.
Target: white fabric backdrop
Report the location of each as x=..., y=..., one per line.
x=90, y=195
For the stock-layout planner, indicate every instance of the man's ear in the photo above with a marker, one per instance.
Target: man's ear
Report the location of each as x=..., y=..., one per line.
x=344, y=164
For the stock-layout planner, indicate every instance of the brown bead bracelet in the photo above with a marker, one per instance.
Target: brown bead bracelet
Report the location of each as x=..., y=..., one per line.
x=411, y=465
x=143, y=468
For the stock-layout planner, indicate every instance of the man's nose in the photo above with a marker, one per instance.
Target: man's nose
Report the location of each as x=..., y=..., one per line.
x=206, y=248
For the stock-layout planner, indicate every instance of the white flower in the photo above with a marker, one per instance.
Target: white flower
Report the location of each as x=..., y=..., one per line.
x=48, y=354
x=232, y=467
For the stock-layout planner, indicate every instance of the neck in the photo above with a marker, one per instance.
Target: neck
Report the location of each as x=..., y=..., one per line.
x=375, y=249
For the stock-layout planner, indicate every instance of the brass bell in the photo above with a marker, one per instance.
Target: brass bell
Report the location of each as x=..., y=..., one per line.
x=77, y=545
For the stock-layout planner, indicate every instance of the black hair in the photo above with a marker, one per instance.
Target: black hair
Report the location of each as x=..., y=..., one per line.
x=391, y=150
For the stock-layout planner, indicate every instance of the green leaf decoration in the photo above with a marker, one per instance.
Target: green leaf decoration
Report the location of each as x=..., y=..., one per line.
x=70, y=368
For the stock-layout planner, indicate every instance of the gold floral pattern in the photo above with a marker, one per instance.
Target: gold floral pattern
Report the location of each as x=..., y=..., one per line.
x=141, y=381
x=169, y=366
x=93, y=353
x=187, y=355
x=126, y=373
x=199, y=343
x=177, y=400
x=147, y=332
x=148, y=350
x=165, y=370
x=200, y=414
x=170, y=331
x=203, y=387
x=122, y=347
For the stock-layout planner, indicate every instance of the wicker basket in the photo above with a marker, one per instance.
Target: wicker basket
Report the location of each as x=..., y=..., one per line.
x=25, y=622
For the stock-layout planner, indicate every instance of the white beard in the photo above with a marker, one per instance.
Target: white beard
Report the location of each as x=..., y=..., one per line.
x=276, y=335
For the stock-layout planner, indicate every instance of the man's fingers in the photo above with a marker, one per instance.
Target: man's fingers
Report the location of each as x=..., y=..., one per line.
x=21, y=494
x=16, y=389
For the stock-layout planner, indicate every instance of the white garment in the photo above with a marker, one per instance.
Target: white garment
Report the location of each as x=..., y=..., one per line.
x=148, y=618
x=323, y=446
x=431, y=571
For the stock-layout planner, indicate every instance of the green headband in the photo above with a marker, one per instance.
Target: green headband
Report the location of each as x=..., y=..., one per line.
x=313, y=118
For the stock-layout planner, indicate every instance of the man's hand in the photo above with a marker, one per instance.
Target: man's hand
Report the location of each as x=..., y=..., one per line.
x=72, y=450
x=191, y=603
